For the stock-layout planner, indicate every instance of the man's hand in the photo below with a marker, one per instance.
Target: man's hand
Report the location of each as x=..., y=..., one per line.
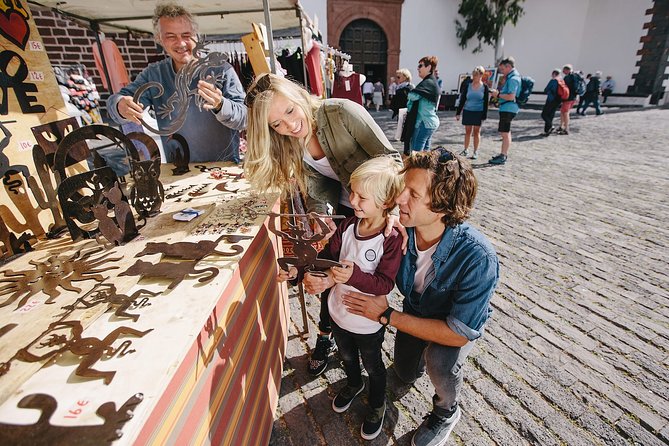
x=370, y=307
x=129, y=109
x=316, y=285
x=393, y=221
x=457, y=117
x=212, y=95
x=341, y=275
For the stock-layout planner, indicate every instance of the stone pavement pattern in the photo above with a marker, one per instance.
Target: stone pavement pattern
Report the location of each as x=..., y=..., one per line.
x=577, y=350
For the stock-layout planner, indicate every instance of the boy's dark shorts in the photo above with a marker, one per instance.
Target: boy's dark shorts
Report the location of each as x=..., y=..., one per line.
x=505, y=119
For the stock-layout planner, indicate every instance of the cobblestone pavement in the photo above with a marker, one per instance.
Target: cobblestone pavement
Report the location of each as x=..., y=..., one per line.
x=577, y=350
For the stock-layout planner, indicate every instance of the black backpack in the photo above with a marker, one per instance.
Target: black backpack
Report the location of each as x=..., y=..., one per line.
x=579, y=83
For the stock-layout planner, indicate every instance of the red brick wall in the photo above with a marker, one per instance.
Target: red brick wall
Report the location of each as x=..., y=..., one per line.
x=67, y=42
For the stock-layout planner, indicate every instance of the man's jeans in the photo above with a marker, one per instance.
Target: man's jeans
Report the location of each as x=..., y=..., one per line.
x=367, y=346
x=595, y=103
x=444, y=366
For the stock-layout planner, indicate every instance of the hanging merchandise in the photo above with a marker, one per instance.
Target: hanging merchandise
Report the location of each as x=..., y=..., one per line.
x=81, y=91
x=118, y=74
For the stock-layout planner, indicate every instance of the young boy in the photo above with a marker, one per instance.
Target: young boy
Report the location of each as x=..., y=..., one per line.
x=370, y=264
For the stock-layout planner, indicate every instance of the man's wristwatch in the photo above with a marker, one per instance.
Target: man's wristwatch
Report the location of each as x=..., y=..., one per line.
x=384, y=319
x=217, y=109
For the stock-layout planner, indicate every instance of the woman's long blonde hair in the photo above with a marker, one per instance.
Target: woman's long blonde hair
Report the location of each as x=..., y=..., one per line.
x=273, y=159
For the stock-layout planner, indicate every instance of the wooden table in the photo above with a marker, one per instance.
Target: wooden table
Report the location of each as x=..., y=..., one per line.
x=209, y=370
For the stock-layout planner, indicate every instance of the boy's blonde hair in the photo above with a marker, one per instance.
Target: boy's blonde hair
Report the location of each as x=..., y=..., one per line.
x=380, y=178
x=272, y=159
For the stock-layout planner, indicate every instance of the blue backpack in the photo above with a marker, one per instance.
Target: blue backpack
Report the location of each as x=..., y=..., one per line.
x=579, y=83
x=526, y=86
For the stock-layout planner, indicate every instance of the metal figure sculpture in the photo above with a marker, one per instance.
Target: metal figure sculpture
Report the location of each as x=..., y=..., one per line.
x=66, y=336
x=181, y=155
x=147, y=193
x=118, y=229
x=105, y=293
x=149, y=142
x=176, y=107
x=191, y=250
x=43, y=433
x=57, y=271
x=50, y=135
x=47, y=198
x=170, y=270
x=306, y=256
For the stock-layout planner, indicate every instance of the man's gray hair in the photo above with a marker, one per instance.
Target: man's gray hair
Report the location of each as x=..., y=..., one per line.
x=170, y=10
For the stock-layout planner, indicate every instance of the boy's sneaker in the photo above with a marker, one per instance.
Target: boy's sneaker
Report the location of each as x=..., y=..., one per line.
x=345, y=397
x=498, y=159
x=474, y=156
x=319, y=357
x=435, y=430
x=373, y=423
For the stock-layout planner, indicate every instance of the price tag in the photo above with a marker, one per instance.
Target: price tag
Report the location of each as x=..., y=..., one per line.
x=36, y=76
x=74, y=413
x=25, y=146
x=347, y=85
x=35, y=45
x=29, y=306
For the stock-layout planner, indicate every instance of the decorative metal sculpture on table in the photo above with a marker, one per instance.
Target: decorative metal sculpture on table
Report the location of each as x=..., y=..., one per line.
x=56, y=271
x=180, y=155
x=170, y=270
x=105, y=293
x=120, y=228
x=147, y=193
x=67, y=336
x=306, y=256
x=43, y=433
x=176, y=106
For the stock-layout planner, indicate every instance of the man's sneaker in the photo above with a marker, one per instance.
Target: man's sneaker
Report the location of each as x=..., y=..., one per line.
x=373, y=423
x=498, y=159
x=464, y=153
x=435, y=430
x=345, y=397
x=319, y=357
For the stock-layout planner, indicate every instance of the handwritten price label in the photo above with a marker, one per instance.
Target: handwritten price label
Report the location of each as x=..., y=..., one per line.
x=34, y=45
x=36, y=76
x=29, y=306
x=74, y=413
x=25, y=146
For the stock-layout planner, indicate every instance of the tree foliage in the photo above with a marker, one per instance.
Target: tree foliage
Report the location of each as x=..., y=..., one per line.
x=485, y=20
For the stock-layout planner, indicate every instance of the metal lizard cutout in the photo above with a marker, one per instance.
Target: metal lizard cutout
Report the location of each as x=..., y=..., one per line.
x=66, y=336
x=105, y=293
x=43, y=433
x=192, y=250
x=169, y=270
x=177, y=104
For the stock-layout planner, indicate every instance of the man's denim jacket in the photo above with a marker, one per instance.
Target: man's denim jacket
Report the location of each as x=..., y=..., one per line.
x=459, y=288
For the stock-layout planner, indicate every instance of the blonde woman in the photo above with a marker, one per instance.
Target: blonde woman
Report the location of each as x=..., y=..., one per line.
x=474, y=96
x=319, y=143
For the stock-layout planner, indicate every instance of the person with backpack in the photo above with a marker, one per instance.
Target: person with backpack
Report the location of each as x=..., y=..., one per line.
x=508, y=107
x=576, y=84
x=592, y=93
x=556, y=91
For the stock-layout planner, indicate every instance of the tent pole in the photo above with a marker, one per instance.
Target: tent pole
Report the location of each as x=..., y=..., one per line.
x=95, y=27
x=270, y=35
x=304, y=49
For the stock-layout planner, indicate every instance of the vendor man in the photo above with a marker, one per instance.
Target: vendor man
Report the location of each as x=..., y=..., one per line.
x=447, y=278
x=212, y=133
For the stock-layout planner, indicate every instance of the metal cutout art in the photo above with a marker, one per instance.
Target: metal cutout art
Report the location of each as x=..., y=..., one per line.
x=149, y=142
x=11, y=244
x=176, y=107
x=91, y=132
x=56, y=271
x=306, y=256
x=67, y=336
x=191, y=250
x=50, y=135
x=50, y=198
x=180, y=155
x=118, y=229
x=105, y=293
x=43, y=433
x=170, y=270
x=147, y=193
x=79, y=208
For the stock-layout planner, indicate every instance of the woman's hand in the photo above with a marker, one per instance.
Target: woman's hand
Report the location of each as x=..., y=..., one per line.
x=315, y=284
x=286, y=275
x=393, y=221
x=342, y=274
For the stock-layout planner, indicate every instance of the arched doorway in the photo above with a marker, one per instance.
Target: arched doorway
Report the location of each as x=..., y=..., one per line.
x=367, y=44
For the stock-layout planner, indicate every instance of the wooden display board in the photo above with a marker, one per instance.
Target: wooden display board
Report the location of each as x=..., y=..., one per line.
x=29, y=96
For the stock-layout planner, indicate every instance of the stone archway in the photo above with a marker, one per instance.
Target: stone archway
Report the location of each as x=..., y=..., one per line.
x=387, y=14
